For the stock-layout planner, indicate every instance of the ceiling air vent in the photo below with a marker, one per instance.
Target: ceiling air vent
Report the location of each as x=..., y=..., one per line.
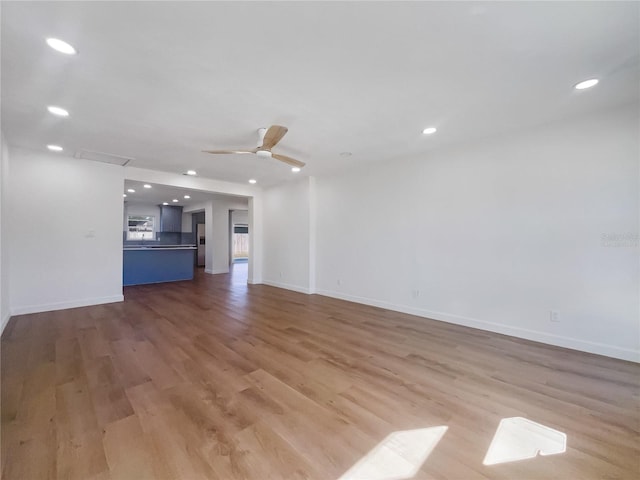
x=103, y=157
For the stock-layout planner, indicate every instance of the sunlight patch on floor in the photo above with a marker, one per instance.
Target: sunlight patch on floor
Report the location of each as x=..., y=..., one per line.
x=399, y=456
x=518, y=439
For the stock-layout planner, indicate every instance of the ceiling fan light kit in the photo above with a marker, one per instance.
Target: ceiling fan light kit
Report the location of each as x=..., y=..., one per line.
x=268, y=138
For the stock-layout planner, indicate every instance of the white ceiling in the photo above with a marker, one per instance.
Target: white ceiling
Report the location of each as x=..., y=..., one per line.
x=158, y=194
x=160, y=81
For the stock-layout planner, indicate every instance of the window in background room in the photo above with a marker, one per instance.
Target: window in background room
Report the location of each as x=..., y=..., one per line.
x=240, y=242
x=140, y=227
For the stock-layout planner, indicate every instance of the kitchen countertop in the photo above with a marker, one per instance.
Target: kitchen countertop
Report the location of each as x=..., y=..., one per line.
x=159, y=247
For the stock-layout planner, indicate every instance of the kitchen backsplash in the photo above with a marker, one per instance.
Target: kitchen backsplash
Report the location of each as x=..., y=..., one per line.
x=163, y=239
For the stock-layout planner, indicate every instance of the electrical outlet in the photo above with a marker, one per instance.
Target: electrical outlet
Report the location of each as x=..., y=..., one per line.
x=554, y=316
x=280, y=274
x=415, y=293
x=339, y=282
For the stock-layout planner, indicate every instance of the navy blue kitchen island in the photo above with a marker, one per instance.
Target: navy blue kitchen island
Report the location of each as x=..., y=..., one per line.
x=156, y=264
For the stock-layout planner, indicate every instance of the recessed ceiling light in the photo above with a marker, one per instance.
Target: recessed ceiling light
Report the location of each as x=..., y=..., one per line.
x=191, y=172
x=131, y=190
x=61, y=46
x=429, y=130
x=146, y=185
x=124, y=194
x=295, y=169
x=187, y=197
x=61, y=112
x=175, y=200
x=252, y=181
x=587, y=84
x=55, y=148
x=165, y=203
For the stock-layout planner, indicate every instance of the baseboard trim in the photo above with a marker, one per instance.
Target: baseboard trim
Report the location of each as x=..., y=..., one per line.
x=286, y=286
x=49, y=307
x=215, y=272
x=4, y=322
x=534, y=335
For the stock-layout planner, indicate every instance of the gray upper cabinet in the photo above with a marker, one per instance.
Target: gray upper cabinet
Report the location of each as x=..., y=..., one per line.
x=170, y=218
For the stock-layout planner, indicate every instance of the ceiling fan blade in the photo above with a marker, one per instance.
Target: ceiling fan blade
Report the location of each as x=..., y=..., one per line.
x=289, y=160
x=273, y=136
x=217, y=152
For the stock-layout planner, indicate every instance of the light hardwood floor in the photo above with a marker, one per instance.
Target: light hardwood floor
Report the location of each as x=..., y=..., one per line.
x=216, y=379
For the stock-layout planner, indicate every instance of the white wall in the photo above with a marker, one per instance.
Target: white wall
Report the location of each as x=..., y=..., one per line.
x=65, y=232
x=187, y=224
x=492, y=235
x=4, y=232
x=287, y=235
x=240, y=217
x=256, y=236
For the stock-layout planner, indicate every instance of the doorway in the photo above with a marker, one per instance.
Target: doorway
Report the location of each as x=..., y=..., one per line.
x=240, y=244
x=239, y=236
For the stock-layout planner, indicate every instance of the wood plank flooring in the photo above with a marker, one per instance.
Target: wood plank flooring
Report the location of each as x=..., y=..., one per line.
x=214, y=379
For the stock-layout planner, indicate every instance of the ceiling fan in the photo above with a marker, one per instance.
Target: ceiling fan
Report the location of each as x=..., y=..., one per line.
x=269, y=137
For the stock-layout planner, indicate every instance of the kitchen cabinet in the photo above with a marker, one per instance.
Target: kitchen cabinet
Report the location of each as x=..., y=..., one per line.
x=142, y=265
x=170, y=219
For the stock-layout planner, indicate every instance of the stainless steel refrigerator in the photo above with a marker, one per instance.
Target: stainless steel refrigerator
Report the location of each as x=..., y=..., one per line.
x=200, y=243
